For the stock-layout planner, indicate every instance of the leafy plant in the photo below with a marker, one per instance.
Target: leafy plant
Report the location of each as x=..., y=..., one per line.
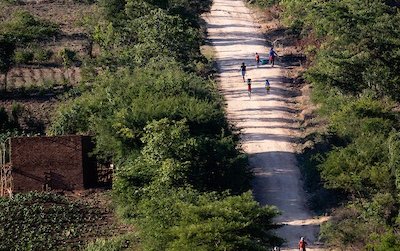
x=205, y=222
x=37, y=221
x=23, y=27
x=42, y=55
x=23, y=56
x=125, y=242
x=67, y=56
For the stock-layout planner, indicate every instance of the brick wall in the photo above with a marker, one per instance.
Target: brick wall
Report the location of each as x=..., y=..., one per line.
x=60, y=162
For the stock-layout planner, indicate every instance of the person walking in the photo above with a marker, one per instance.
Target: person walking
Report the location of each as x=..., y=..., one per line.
x=272, y=55
x=267, y=85
x=243, y=70
x=257, y=59
x=249, y=87
x=302, y=244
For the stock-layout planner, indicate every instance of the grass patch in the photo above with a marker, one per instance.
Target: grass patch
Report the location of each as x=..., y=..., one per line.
x=128, y=241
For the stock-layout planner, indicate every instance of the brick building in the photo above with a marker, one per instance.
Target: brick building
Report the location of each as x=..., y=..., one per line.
x=51, y=163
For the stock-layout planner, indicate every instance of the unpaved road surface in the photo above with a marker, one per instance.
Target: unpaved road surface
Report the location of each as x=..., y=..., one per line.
x=266, y=120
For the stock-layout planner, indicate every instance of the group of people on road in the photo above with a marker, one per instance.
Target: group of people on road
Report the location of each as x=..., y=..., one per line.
x=271, y=57
x=243, y=70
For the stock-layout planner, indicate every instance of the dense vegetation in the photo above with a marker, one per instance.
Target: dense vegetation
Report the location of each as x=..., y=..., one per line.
x=180, y=176
x=353, y=48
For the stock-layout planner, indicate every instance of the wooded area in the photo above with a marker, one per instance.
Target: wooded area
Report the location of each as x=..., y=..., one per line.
x=147, y=97
x=353, y=53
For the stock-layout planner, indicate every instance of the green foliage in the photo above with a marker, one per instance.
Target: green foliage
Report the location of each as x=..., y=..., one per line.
x=365, y=115
x=37, y=221
x=358, y=43
x=23, y=27
x=42, y=55
x=153, y=92
x=119, y=243
x=180, y=175
x=113, y=9
x=140, y=31
x=158, y=33
x=151, y=37
x=389, y=241
x=23, y=56
x=205, y=222
x=355, y=77
x=7, y=50
x=363, y=224
x=67, y=56
x=264, y=3
x=171, y=157
x=71, y=117
x=361, y=167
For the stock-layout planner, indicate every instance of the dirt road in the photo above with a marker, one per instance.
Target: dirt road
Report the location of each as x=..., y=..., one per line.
x=266, y=120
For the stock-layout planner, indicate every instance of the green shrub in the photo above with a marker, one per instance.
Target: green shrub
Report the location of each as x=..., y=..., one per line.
x=362, y=224
x=153, y=92
x=72, y=117
x=42, y=55
x=389, y=241
x=209, y=221
x=67, y=56
x=264, y=3
x=355, y=77
x=23, y=56
x=23, y=27
x=356, y=45
x=166, y=159
x=125, y=242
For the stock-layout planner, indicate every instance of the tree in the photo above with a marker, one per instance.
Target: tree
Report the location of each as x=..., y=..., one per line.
x=159, y=33
x=184, y=219
x=7, y=49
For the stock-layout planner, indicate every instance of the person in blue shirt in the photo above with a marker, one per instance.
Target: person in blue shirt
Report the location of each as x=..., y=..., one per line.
x=272, y=55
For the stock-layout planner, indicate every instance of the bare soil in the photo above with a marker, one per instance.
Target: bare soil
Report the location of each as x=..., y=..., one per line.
x=268, y=121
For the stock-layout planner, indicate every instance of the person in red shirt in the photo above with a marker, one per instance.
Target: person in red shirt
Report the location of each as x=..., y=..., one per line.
x=249, y=87
x=302, y=244
x=257, y=59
